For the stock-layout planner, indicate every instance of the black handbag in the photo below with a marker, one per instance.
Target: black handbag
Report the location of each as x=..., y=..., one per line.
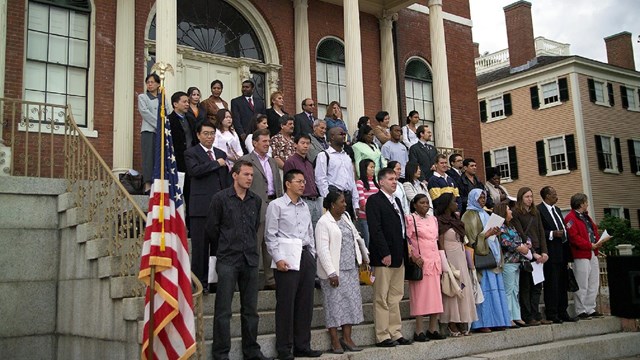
x=525, y=265
x=412, y=271
x=485, y=262
x=572, y=284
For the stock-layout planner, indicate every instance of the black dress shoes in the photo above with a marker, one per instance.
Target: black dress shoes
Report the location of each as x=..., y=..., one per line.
x=422, y=337
x=260, y=357
x=307, y=353
x=569, y=319
x=435, y=335
x=403, y=341
x=285, y=356
x=387, y=343
x=556, y=320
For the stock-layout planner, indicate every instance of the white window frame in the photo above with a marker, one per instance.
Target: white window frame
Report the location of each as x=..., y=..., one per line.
x=619, y=209
x=636, y=149
x=605, y=92
x=547, y=146
x=88, y=128
x=613, y=169
x=500, y=109
x=632, y=93
x=324, y=97
x=556, y=102
x=494, y=163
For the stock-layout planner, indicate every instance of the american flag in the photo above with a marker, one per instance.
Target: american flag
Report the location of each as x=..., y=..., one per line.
x=165, y=247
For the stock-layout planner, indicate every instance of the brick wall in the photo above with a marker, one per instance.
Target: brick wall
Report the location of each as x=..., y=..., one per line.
x=620, y=50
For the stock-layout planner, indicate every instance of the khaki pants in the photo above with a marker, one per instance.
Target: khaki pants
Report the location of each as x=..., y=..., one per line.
x=388, y=290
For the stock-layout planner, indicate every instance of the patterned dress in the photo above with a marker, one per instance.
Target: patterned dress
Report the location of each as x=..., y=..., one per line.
x=343, y=304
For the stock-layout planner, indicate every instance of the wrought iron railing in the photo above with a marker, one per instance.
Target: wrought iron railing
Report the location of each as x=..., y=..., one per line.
x=450, y=151
x=43, y=140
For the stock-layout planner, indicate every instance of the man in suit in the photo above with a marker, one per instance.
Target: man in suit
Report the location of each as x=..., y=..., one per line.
x=455, y=168
x=423, y=153
x=555, y=269
x=267, y=184
x=303, y=122
x=209, y=174
x=388, y=249
x=244, y=107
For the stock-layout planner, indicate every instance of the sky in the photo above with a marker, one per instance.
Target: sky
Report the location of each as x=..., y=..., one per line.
x=581, y=23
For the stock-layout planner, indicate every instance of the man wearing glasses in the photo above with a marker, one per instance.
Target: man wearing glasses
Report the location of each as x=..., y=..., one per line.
x=303, y=122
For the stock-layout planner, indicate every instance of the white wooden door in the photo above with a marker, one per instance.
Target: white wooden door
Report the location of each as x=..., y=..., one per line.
x=200, y=74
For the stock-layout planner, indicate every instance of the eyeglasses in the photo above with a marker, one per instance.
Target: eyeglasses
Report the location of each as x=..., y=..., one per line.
x=304, y=182
x=208, y=133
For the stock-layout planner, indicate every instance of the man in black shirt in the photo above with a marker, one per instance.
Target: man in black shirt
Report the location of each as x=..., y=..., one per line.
x=231, y=228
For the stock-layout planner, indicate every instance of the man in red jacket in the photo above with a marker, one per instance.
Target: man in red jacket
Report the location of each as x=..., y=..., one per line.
x=583, y=237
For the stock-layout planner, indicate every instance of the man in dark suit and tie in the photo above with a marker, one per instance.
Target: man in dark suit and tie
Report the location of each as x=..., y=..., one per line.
x=423, y=153
x=267, y=184
x=555, y=269
x=455, y=168
x=209, y=174
x=388, y=249
x=303, y=122
x=244, y=107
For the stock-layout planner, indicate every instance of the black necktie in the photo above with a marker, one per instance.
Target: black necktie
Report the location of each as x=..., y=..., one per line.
x=559, y=223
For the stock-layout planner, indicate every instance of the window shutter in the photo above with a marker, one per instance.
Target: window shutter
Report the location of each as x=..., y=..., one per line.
x=607, y=211
x=570, y=145
x=599, y=153
x=627, y=216
x=623, y=95
x=592, y=90
x=513, y=162
x=632, y=156
x=483, y=111
x=535, y=101
x=542, y=158
x=618, y=153
x=563, y=89
x=638, y=217
x=487, y=162
x=611, y=98
x=507, y=104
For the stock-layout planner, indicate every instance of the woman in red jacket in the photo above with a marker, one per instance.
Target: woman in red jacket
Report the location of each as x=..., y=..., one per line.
x=583, y=237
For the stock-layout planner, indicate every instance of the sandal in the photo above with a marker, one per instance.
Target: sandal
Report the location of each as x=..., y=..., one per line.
x=466, y=333
x=454, y=333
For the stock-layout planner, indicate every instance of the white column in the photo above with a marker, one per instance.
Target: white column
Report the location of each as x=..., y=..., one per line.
x=123, y=86
x=441, y=101
x=302, y=56
x=353, y=62
x=273, y=79
x=3, y=48
x=167, y=39
x=388, y=68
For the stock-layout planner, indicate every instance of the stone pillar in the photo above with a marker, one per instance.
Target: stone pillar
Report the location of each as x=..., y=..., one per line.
x=3, y=51
x=443, y=132
x=167, y=40
x=123, y=87
x=388, y=68
x=273, y=79
x=302, y=56
x=353, y=62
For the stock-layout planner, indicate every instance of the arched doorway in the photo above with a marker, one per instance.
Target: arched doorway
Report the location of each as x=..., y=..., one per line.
x=225, y=40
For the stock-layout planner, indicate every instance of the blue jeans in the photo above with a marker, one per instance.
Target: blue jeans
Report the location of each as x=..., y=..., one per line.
x=511, y=276
x=364, y=229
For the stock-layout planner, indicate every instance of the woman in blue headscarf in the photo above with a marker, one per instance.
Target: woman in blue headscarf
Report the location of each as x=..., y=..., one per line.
x=493, y=312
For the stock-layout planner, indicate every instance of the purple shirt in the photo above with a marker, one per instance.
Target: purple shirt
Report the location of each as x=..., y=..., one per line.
x=266, y=167
x=303, y=164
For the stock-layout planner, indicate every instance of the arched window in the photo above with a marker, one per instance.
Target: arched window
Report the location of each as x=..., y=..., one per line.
x=331, y=78
x=418, y=91
x=57, y=61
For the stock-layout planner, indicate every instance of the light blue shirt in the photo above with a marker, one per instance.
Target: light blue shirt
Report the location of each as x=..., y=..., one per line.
x=396, y=152
x=339, y=174
x=286, y=219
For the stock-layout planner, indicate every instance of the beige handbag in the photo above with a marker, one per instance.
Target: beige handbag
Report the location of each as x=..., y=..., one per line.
x=449, y=282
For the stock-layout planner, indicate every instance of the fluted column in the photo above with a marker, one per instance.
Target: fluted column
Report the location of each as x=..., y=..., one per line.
x=353, y=62
x=388, y=68
x=441, y=101
x=302, y=56
x=123, y=86
x=3, y=48
x=167, y=39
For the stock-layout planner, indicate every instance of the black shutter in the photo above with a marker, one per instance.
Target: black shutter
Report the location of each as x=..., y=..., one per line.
x=592, y=90
x=599, y=153
x=639, y=217
x=535, y=101
x=487, y=162
x=513, y=162
x=506, y=98
x=618, y=153
x=611, y=98
x=564, y=89
x=483, y=111
x=632, y=156
x=623, y=95
x=607, y=211
x=542, y=158
x=627, y=216
x=570, y=145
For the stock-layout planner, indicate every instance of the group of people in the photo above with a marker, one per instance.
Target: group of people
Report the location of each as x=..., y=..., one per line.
x=298, y=193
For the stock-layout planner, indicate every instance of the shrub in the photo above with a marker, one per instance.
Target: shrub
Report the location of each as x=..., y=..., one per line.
x=622, y=233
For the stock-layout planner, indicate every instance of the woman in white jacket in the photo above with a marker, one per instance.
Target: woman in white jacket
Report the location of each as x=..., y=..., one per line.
x=340, y=250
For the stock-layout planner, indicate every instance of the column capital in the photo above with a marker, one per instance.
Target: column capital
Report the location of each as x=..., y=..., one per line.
x=387, y=19
x=300, y=3
x=434, y=3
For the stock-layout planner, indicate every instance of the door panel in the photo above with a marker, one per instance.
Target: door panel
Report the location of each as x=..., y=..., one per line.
x=201, y=74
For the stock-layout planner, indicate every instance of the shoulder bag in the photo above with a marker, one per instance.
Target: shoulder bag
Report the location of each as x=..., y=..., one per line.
x=412, y=271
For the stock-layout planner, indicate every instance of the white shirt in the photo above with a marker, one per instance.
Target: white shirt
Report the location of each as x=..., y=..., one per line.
x=552, y=212
x=339, y=174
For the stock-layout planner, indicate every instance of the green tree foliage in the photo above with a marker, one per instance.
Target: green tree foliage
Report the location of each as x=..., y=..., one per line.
x=622, y=233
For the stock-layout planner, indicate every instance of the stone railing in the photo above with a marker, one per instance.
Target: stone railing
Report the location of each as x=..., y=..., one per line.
x=500, y=59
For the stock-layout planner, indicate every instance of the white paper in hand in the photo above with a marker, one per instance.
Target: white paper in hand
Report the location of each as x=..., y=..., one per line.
x=494, y=221
x=538, y=273
x=291, y=252
x=605, y=236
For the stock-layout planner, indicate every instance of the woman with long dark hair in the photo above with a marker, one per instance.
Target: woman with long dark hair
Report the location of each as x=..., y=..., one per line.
x=409, y=136
x=458, y=310
x=365, y=148
x=367, y=185
x=413, y=186
x=214, y=103
x=196, y=111
x=227, y=139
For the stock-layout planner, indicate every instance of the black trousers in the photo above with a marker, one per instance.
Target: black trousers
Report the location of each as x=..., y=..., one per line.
x=529, y=297
x=294, y=305
x=199, y=250
x=555, y=290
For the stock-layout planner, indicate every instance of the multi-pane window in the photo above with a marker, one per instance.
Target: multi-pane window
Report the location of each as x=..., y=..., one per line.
x=631, y=98
x=331, y=76
x=501, y=160
x=600, y=91
x=557, y=153
x=418, y=91
x=636, y=150
x=57, y=60
x=607, y=152
x=550, y=93
x=497, y=107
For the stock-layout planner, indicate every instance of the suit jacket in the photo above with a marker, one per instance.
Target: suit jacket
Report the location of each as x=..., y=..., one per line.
x=259, y=184
x=273, y=121
x=385, y=230
x=197, y=120
x=558, y=251
x=212, y=109
x=207, y=178
x=179, y=140
x=242, y=113
x=302, y=125
x=424, y=155
x=457, y=178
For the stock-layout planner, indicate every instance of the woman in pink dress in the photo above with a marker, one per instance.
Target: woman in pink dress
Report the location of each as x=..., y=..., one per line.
x=425, y=296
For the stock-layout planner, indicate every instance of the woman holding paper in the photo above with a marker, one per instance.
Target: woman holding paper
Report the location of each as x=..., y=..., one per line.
x=458, y=310
x=493, y=312
x=340, y=250
x=513, y=249
x=527, y=218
